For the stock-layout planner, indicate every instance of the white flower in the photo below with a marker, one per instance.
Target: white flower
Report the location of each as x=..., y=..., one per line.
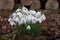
x=32, y=12
x=19, y=22
x=14, y=14
x=18, y=10
x=40, y=21
x=25, y=10
x=23, y=20
x=10, y=20
x=33, y=19
x=23, y=16
x=28, y=27
x=38, y=14
x=28, y=18
x=19, y=14
x=16, y=20
x=12, y=23
x=43, y=17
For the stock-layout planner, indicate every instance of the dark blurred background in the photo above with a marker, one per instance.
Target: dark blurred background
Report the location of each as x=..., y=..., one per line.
x=43, y=2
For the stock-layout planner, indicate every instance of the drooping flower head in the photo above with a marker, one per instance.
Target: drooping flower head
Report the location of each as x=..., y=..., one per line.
x=23, y=16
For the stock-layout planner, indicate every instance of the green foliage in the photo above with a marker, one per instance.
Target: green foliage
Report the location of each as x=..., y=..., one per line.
x=35, y=29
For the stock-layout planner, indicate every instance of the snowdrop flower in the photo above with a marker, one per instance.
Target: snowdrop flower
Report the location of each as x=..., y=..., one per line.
x=14, y=15
x=32, y=12
x=16, y=20
x=23, y=16
x=12, y=23
x=33, y=19
x=39, y=20
x=19, y=22
x=23, y=21
x=18, y=10
x=25, y=10
x=28, y=27
x=28, y=18
x=43, y=17
x=19, y=14
x=38, y=14
x=10, y=20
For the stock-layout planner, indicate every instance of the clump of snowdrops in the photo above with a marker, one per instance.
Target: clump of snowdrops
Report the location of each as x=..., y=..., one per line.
x=27, y=21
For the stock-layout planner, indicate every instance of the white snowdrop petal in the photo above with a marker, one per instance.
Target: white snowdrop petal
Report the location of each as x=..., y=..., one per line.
x=28, y=27
x=14, y=14
x=18, y=10
x=25, y=10
x=12, y=23
x=13, y=17
x=10, y=19
x=34, y=20
x=16, y=20
x=32, y=12
x=43, y=17
x=40, y=21
x=23, y=20
x=19, y=15
x=28, y=18
x=19, y=22
x=38, y=14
